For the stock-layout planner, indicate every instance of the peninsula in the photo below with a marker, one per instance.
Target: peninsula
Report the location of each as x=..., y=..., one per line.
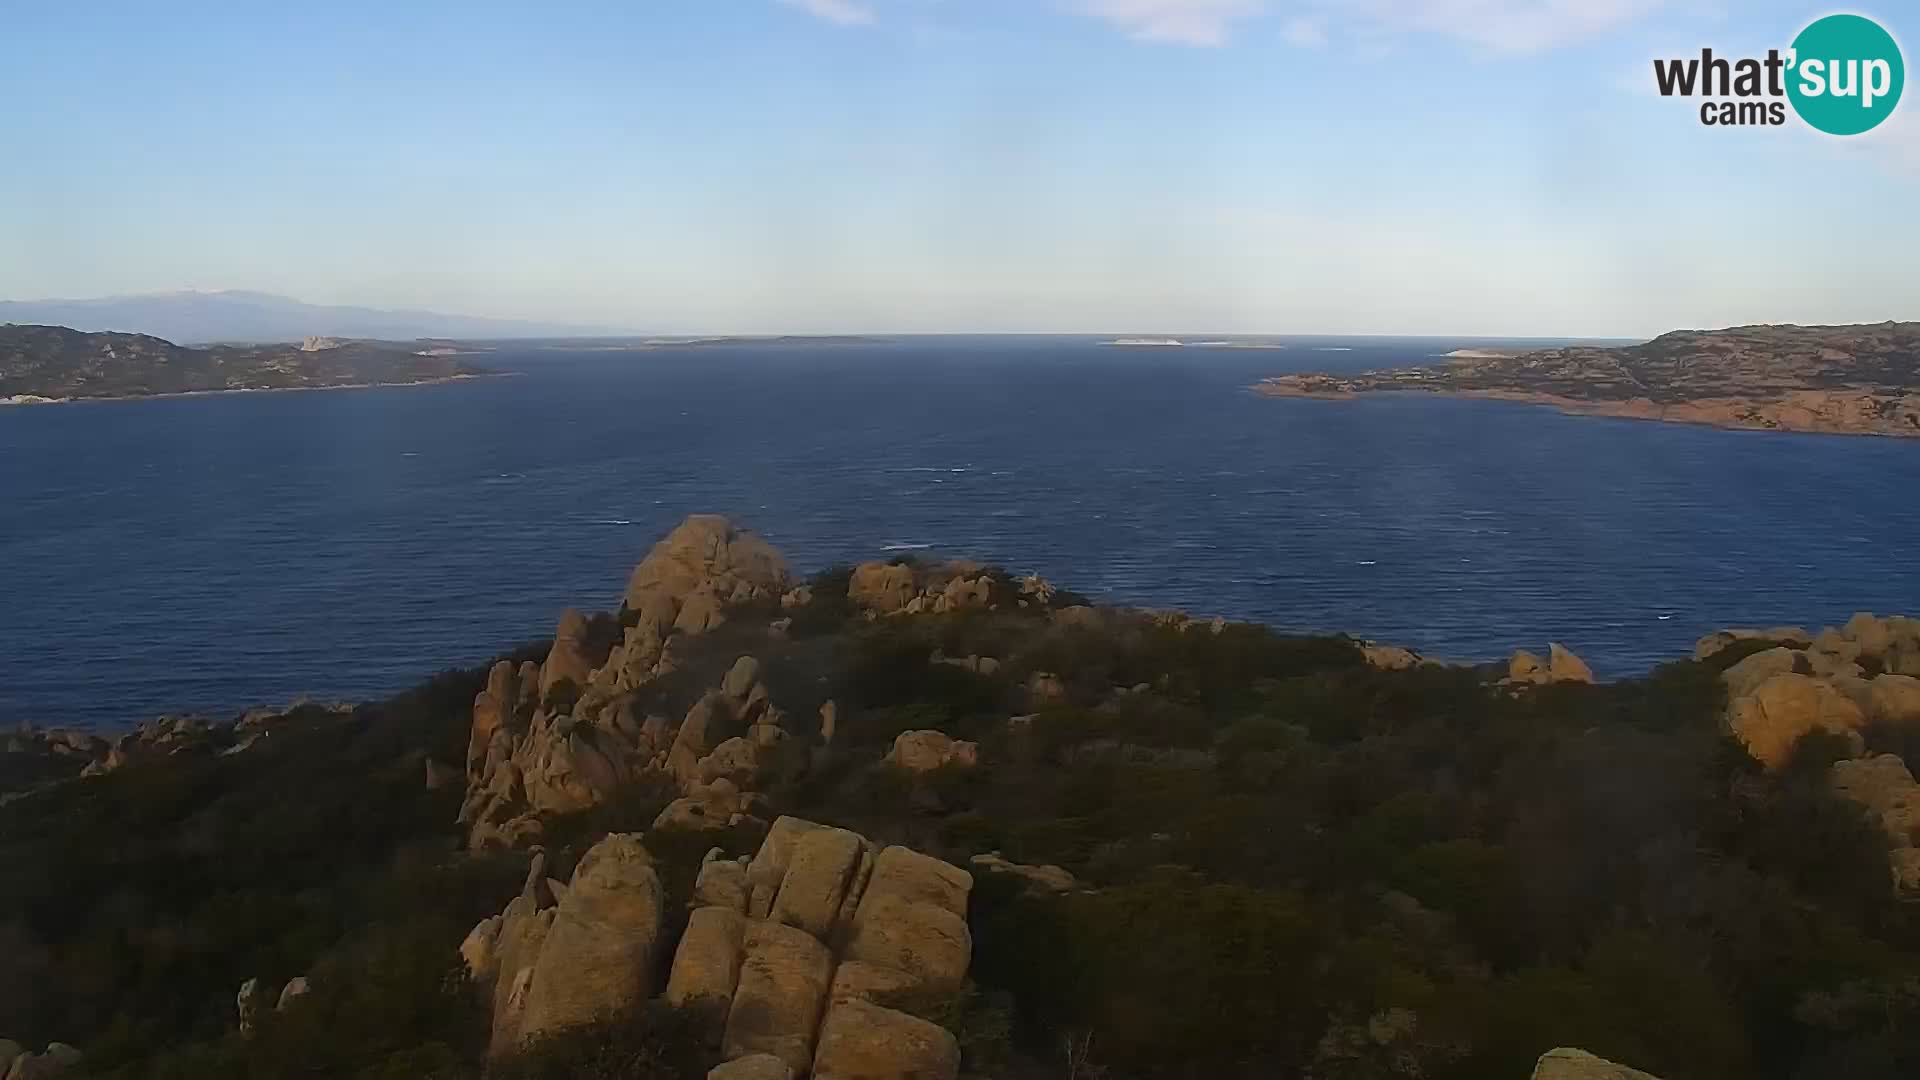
x=54, y=363
x=1856, y=380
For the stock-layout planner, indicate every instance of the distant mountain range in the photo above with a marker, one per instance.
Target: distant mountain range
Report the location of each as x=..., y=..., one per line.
x=241, y=317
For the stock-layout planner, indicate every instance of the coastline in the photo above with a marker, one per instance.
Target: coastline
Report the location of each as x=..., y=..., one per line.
x=1800, y=412
x=23, y=400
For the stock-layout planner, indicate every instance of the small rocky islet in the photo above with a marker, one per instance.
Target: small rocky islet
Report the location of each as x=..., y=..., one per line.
x=929, y=819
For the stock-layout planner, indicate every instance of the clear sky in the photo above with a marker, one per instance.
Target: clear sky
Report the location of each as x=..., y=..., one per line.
x=1497, y=167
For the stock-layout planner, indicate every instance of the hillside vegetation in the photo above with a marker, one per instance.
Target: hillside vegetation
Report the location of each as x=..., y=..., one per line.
x=1232, y=853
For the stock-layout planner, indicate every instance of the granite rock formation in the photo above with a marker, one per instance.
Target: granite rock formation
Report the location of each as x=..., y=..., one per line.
x=564, y=735
x=793, y=952
x=1838, y=682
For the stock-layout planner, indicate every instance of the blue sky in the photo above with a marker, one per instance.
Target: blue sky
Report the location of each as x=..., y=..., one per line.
x=1284, y=166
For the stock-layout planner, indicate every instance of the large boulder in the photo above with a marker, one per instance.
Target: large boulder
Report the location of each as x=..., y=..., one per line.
x=863, y=1041
x=925, y=751
x=819, y=873
x=1770, y=720
x=912, y=918
x=705, y=727
x=1389, y=657
x=782, y=990
x=706, y=553
x=1873, y=636
x=769, y=865
x=1560, y=665
x=922, y=939
x=523, y=930
x=1885, y=788
x=705, y=808
x=598, y=957
x=569, y=660
x=722, y=882
x=1743, y=677
x=1579, y=1065
x=740, y=678
x=1564, y=666
x=479, y=952
x=882, y=588
x=909, y=875
x=707, y=965
x=1895, y=700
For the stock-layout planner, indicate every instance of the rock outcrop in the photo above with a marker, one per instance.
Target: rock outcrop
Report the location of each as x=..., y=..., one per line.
x=1389, y=657
x=704, y=564
x=1885, y=789
x=1771, y=718
x=65, y=754
x=598, y=954
x=788, y=951
x=903, y=588
x=1713, y=644
x=548, y=963
x=1841, y=682
x=794, y=946
x=565, y=735
x=1579, y=1065
x=920, y=752
x=1560, y=666
x=1040, y=879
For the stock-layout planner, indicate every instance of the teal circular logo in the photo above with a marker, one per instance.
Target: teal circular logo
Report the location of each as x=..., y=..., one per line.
x=1845, y=74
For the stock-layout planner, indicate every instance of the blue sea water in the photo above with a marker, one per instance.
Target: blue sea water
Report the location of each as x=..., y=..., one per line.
x=208, y=553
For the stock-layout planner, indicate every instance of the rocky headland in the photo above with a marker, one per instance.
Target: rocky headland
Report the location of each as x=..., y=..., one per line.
x=931, y=819
x=52, y=363
x=1856, y=380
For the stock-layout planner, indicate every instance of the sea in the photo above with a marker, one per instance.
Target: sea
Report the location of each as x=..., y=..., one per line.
x=212, y=553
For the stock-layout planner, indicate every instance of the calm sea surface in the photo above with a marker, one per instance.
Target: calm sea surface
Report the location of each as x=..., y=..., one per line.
x=210, y=553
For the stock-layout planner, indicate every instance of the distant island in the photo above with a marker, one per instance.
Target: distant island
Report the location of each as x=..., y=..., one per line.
x=53, y=363
x=1177, y=343
x=650, y=343
x=1857, y=380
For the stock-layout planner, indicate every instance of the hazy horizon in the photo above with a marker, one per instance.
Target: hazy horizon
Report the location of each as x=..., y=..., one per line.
x=1393, y=167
